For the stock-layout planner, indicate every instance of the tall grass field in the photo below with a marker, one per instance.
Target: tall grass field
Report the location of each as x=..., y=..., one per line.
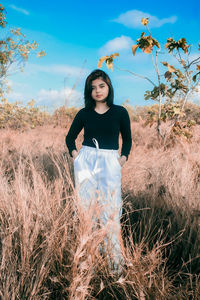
x=49, y=248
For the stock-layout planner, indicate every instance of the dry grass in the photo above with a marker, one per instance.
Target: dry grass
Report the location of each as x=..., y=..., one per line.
x=48, y=246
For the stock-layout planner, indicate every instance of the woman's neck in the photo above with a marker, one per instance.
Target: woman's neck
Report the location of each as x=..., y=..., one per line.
x=101, y=107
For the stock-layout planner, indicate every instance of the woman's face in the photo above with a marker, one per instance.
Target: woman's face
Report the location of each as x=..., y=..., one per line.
x=100, y=90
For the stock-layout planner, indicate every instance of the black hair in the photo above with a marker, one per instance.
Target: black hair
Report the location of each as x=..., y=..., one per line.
x=89, y=101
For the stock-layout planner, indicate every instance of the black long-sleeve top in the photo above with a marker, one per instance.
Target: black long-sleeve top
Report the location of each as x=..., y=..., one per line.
x=105, y=128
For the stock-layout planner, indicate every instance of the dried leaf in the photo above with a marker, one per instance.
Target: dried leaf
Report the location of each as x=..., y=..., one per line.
x=142, y=35
x=109, y=63
x=166, y=45
x=108, y=60
x=145, y=21
x=147, y=49
x=198, y=67
x=177, y=110
x=182, y=62
x=168, y=75
x=134, y=48
x=155, y=42
x=171, y=68
x=114, y=55
x=164, y=63
x=101, y=60
x=41, y=53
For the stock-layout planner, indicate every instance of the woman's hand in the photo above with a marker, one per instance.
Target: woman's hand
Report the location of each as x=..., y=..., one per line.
x=122, y=160
x=74, y=154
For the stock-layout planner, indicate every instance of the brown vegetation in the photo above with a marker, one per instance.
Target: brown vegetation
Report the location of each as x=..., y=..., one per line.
x=48, y=251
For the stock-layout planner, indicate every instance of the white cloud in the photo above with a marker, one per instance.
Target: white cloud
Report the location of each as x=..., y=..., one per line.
x=16, y=97
x=132, y=19
x=117, y=44
x=49, y=99
x=19, y=9
x=56, y=69
x=56, y=98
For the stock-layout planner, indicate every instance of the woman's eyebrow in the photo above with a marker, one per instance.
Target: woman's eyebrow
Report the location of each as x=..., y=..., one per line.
x=99, y=84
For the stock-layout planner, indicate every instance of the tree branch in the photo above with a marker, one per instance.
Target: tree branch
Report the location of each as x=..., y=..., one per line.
x=135, y=74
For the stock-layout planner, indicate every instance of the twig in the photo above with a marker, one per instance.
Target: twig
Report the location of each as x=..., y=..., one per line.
x=135, y=74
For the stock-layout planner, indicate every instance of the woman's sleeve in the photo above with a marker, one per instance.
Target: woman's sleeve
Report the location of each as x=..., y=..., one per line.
x=125, y=129
x=73, y=132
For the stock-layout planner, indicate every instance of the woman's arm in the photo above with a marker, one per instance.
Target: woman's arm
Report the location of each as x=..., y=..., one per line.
x=73, y=132
x=125, y=129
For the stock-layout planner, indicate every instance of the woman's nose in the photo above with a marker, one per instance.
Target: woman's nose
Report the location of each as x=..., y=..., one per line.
x=98, y=89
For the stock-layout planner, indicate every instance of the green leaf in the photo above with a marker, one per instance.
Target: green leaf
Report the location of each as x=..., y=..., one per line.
x=168, y=75
x=156, y=43
x=194, y=78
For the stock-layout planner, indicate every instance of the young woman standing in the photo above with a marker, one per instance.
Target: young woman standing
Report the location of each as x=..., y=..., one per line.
x=97, y=166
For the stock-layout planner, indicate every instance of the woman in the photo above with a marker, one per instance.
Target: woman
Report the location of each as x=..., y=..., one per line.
x=97, y=166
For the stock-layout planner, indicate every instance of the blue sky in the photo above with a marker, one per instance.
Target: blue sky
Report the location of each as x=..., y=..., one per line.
x=75, y=34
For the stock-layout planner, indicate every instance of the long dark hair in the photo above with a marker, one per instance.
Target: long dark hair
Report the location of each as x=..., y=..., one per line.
x=89, y=101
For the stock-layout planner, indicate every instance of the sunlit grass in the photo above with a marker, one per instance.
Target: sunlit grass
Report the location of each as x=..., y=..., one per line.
x=48, y=246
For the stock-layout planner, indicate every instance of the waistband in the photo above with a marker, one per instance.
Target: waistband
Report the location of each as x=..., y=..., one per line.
x=98, y=149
